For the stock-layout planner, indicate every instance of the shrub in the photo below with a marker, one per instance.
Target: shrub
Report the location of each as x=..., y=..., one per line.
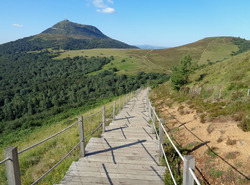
x=179, y=76
x=202, y=117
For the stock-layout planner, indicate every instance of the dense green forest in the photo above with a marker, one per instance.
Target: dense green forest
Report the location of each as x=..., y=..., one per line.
x=39, y=43
x=243, y=44
x=34, y=86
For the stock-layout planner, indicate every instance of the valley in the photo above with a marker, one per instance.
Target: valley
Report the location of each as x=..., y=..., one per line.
x=46, y=80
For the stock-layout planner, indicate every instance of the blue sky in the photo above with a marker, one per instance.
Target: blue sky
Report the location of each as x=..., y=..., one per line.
x=154, y=22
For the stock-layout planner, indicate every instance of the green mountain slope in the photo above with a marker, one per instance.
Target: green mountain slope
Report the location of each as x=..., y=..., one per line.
x=209, y=49
x=216, y=91
x=230, y=75
x=63, y=35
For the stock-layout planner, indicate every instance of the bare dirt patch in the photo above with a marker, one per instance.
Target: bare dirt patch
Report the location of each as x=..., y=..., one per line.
x=221, y=148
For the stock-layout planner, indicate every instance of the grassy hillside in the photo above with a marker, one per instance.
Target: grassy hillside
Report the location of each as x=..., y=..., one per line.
x=232, y=75
x=161, y=60
x=135, y=59
x=217, y=91
x=213, y=49
x=35, y=162
x=209, y=118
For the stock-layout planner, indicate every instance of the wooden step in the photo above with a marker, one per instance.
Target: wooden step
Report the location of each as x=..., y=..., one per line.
x=127, y=153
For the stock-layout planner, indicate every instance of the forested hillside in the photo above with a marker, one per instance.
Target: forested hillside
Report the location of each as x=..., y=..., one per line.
x=34, y=86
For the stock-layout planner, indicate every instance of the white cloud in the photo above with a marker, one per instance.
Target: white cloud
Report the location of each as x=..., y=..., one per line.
x=18, y=25
x=106, y=10
x=99, y=4
x=102, y=6
x=111, y=1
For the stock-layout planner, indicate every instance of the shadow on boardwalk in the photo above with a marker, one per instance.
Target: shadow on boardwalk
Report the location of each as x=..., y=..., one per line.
x=126, y=153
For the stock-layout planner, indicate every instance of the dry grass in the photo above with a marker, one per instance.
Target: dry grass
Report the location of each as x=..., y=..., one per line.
x=35, y=162
x=213, y=48
x=161, y=60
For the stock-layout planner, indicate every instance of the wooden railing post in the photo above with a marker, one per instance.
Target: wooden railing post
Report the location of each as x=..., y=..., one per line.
x=103, y=119
x=189, y=162
x=119, y=104
x=147, y=100
x=161, y=137
x=12, y=166
x=248, y=94
x=123, y=102
x=153, y=115
x=220, y=94
x=81, y=135
x=149, y=109
x=114, y=110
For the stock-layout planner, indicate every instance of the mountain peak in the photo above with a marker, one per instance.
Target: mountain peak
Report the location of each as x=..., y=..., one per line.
x=64, y=35
x=67, y=28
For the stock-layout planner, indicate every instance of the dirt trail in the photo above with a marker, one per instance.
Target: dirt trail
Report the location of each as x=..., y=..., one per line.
x=221, y=148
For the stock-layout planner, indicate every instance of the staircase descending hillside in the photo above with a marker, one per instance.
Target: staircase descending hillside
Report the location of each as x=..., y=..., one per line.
x=127, y=153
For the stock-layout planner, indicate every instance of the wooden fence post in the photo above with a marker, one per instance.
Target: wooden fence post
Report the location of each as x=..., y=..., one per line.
x=248, y=93
x=81, y=135
x=120, y=104
x=153, y=116
x=189, y=162
x=161, y=137
x=103, y=119
x=220, y=94
x=12, y=166
x=123, y=102
x=114, y=110
x=149, y=109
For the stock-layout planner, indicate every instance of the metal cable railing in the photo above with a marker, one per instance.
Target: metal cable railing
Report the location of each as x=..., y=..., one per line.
x=48, y=138
x=3, y=161
x=71, y=149
x=93, y=131
x=169, y=169
x=81, y=143
x=92, y=114
x=191, y=171
x=194, y=176
x=176, y=149
x=57, y=163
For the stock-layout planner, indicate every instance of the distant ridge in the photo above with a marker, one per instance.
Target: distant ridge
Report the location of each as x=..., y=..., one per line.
x=210, y=49
x=64, y=35
x=151, y=47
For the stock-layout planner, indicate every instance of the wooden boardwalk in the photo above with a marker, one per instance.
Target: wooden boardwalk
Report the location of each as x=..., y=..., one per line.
x=127, y=153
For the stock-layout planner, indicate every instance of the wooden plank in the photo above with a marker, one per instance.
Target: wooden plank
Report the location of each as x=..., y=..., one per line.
x=127, y=153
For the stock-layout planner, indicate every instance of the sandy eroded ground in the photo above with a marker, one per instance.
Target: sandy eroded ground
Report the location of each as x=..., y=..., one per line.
x=221, y=148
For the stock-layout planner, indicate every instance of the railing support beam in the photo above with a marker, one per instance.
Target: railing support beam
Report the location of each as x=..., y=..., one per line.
x=12, y=166
x=161, y=137
x=103, y=119
x=119, y=105
x=81, y=135
x=153, y=119
x=114, y=110
x=123, y=102
x=189, y=162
